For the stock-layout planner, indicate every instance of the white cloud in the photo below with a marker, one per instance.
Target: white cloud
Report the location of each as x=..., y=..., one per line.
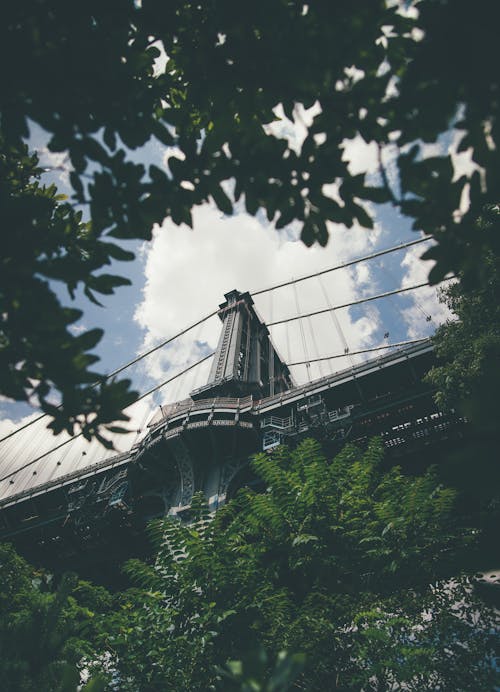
x=56, y=166
x=160, y=62
x=361, y=157
x=72, y=454
x=425, y=300
x=8, y=425
x=294, y=132
x=188, y=273
x=77, y=329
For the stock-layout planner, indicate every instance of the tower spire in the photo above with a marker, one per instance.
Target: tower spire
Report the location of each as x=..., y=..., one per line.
x=245, y=361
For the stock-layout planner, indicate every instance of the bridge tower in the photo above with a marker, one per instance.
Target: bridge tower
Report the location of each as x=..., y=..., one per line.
x=245, y=362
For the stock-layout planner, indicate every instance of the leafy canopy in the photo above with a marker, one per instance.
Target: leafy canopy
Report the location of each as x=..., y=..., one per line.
x=468, y=376
x=341, y=576
x=45, y=629
x=397, y=75
x=38, y=352
x=398, y=79
x=339, y=561
x=467, y=379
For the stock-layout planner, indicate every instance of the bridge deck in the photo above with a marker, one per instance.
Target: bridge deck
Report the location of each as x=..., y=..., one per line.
x=50, y=476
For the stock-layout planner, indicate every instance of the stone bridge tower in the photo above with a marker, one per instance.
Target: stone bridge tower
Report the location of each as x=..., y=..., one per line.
x=245, y=362
x=201, y=443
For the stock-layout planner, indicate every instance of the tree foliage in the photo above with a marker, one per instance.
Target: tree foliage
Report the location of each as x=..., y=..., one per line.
x=44, y=629
x=468, y=376
x=355, y=568
x=49, y=241
x=341, y=576
x=399, y=75
x=467, y=379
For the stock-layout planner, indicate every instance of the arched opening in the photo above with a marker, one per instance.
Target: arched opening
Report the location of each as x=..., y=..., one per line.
x=150, y=506
x=245, y=478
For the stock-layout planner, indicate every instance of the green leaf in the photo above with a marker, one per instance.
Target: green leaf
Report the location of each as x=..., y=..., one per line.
x=303, y=538
x=76, y=183
x=379, y=195
x=106, y=283
x=286, y=217
x=117, y=252
x=362, y=216
x=221, y=200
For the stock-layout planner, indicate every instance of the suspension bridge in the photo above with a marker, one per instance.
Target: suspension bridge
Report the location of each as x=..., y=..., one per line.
x=268, y=381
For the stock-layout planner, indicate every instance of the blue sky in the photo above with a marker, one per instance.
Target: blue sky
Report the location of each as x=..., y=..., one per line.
x=182, y=275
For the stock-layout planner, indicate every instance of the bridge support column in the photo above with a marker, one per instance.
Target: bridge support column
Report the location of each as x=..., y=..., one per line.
x=186, y=471
x=228, y=472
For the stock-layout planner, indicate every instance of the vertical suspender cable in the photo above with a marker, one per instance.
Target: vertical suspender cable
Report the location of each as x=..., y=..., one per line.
x=271, y=348
x=418, y=305
x=301, y=327
x=288, y=350
x=194, y=374
x=315, y=345
x=336, y=324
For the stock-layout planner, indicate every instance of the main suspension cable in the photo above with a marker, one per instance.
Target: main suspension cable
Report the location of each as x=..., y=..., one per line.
x=363, y=350
x=349, y=263
x=74, y=437
x=418, y=305
x=355, y=302
x=165, y=342
x=105, y=378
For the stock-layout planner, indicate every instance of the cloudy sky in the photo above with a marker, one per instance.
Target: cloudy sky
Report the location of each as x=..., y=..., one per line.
x=183, y=275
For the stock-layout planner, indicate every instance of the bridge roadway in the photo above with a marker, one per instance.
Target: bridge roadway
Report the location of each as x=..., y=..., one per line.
x=205, y=444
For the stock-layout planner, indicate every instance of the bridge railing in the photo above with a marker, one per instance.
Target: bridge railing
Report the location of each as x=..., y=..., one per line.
x=277, y=423
x=407, y=351
x=67, y=478
x=189, y=405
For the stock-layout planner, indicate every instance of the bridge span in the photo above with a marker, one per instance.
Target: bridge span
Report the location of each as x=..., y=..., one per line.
x=98, y=514
x=93, y=517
